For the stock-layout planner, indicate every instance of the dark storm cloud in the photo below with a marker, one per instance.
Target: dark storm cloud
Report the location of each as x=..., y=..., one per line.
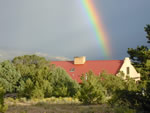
x=60, y=27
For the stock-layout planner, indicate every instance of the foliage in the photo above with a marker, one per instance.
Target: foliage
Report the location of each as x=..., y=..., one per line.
x=62, y=83
x=37, y=93
x=138, y=99
x=124, y=109
x=130, y=84
x=25, y=88
x=133, y=96
x=30, y=60
x=111, y=83
x=147, y=30
x=145, y=98
x=3, y=107
x=92, y=91
x=40, y=79
x=124, y=98
x=9, y=76
x=141, y=57
x=34, y=73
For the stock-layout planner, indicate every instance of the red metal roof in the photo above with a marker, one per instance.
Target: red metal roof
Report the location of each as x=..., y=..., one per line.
x=97, y=66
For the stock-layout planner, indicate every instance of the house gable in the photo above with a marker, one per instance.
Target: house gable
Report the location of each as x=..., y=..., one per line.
x=128, y=69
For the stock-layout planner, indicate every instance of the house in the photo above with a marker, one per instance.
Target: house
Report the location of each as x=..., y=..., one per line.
x=80, y=66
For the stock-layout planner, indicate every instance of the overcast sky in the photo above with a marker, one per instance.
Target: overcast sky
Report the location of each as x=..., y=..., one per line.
x=60, y=28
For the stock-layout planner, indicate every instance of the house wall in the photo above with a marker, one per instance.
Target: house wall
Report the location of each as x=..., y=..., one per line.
x=129, y=70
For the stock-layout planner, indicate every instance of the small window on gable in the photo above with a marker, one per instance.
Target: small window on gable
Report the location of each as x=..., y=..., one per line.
x=128, y=70
x=72, y=69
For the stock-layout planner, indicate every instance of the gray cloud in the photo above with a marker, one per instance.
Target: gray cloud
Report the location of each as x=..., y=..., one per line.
x=62, y=28
x=52, y=58
x=9, y=55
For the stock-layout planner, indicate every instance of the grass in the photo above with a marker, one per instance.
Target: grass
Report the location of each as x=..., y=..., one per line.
x=59, y=108
x=53, y=105
x=59, y=105
x=52, y=100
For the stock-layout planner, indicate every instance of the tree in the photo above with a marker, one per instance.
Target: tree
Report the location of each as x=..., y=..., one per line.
x=133, y=96
x=9, y=76
x=133, y=99
x=111, y=83
x=30, y=60
x=141, y=57
x=147, y=30
x=37, y=92
x=3, y=107
x=40, y=79
x=28, y=65
x=91, y=91
x=62, y=83
x=34, y=76
x=25, y=88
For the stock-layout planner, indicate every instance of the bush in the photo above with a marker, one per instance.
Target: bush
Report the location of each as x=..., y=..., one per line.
x=37, y=93
x=91, y=91
x=134, y=99
x=111, y=83
x=62, y=83
x=3, y=107
x=22, y=100
x=124, y=109
x=9, y=77
x=125, y=98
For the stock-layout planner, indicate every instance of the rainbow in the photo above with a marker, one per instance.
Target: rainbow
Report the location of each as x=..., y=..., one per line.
x=96, y=22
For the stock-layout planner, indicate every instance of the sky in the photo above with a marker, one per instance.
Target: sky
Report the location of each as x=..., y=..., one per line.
x=61, y=30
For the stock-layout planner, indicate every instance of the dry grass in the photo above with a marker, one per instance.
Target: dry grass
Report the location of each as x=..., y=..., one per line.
x=53, y=105
x=59, y=108
x=52, y=100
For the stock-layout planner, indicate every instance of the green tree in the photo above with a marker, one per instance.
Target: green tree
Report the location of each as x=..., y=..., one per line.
x=29, y=65
x=62, y=83
x=147, y=30
x=40, y=79
x=35, y=71
x=3, y=107
x=144, y=100
x=91, y=91
x=37, y=92
x=111, y=83
x=25, y=88
x=9, y=76
x=130, y=84
x=137, y=96
x=30, y=60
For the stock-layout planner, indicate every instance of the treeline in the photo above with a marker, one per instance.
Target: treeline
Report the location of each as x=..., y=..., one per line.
x=32, y=76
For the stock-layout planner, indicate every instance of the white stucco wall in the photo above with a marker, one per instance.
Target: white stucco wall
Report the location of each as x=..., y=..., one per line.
x=132, y=72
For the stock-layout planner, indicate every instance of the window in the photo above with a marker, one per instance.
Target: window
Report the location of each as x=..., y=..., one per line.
x=128, y=70
x=72, y=69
